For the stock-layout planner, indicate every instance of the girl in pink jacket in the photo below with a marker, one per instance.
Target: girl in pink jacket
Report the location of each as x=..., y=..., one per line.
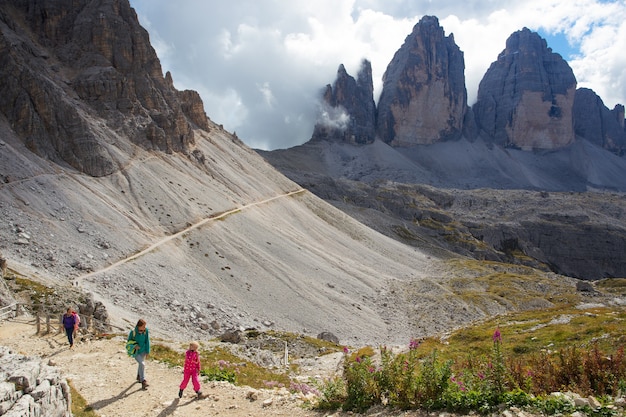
x=191, y=370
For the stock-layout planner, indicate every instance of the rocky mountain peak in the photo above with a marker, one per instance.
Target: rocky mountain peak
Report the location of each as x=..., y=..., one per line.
x=348, y=111
x=596, y=123
x=424, y=99
x=526, y=97
x=92, y=65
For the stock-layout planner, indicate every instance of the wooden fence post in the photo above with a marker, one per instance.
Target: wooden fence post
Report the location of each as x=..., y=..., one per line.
x=48, y=324
x=286, y=356
x=38, y=323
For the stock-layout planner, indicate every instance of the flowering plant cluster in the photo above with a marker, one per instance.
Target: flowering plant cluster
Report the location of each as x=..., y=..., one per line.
x=416, y=380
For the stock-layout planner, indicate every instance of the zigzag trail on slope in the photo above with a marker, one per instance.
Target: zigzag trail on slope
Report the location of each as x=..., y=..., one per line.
x=77, y=281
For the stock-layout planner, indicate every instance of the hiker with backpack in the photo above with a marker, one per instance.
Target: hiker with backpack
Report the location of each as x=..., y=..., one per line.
x=138, y=346
x=76, y=323
x=69, y=321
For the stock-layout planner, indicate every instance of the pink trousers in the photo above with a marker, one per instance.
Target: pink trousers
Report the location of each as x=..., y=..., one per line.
x=194, y=380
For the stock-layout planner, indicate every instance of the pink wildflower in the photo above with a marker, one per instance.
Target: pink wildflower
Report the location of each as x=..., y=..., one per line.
x=358, y=359
x=345, y=350
x=414, y=344
x=497, y=337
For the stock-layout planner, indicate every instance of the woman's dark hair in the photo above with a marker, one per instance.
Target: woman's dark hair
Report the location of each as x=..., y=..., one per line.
x=141, y=323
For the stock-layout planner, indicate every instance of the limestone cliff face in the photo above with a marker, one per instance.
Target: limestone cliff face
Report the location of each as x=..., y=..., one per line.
x=525, y=99
x=424, y=99
x=348, y=112
x=596, y=123
x=70, y=75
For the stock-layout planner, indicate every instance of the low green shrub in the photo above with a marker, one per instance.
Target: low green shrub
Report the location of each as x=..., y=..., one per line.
x=217, y=373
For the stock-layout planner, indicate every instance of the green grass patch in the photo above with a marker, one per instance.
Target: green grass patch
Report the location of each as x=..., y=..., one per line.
x=433, y=224
x=515, y=360
x=38, y=294
x=404, y=233
x=615, y=286
x=320, y=346
x=220, y=364
x=515, y=286
x=167, y=355
x=80, y=408
x=219, y=361
x=532, y=332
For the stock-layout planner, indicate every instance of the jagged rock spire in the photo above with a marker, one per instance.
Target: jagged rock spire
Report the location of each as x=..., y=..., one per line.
x=348, y=110
x=526, y=97
x=424, y=99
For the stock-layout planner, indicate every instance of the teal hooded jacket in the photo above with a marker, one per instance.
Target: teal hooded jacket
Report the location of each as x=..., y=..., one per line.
x=142, y=339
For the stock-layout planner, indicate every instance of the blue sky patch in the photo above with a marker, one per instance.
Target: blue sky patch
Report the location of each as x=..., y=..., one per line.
x=559, y=44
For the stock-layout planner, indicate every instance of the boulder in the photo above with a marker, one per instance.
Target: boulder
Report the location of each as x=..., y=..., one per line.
x=231, y=336
x=329, y=337
x=584, y=286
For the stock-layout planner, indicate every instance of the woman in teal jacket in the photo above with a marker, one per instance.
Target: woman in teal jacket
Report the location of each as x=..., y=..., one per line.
x=141, y=336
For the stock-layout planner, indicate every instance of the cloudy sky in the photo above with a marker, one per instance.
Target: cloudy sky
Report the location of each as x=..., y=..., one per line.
x=259, y=65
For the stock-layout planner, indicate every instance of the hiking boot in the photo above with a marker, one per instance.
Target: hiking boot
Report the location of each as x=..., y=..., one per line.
x=144, y=384
x=138, y=379
x=199, y=394
x=180, y=393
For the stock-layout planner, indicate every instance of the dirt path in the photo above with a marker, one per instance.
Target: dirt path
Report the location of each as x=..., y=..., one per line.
x=77, y=281
x=105, y=376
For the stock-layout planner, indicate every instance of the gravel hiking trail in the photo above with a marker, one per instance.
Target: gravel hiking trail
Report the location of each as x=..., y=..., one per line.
x=176, y=235
x=105, y=376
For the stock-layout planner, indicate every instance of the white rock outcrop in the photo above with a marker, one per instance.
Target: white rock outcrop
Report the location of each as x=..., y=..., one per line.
x=31, y=388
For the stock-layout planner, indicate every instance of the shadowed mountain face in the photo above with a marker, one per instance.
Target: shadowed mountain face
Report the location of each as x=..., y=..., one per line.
x=597, y=124
x=88, y=68
x=525, y=99
x=478, y=200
